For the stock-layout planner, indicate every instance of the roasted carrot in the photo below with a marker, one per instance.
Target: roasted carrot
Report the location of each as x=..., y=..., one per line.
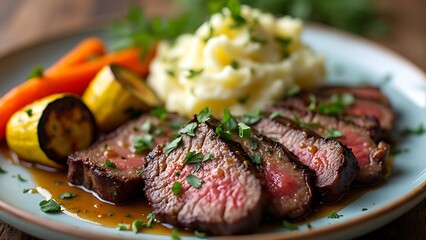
x=86, y=49
x=73, y=79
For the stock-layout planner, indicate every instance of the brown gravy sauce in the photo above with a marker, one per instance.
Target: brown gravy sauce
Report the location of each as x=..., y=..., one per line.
x=87, y=207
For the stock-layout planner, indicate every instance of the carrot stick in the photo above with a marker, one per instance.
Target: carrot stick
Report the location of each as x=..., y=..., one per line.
x=73, y=79
x=87, y=48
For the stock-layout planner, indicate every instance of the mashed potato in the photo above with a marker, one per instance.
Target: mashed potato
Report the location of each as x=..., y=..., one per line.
x=242, y=67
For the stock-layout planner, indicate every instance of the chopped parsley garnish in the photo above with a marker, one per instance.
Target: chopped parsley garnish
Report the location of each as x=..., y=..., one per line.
x=334, y=214
x=151, y=219
x=194, y=73
x=123, y=157
x=172, y=145
x=193, y=181
x=176, y=124
x=251, y=118
x=335, y=106
x=143, y=142
x=305, y=124
x=29, y=112
x=210, y=33
x=275, y=115
x=228, y=121
x=189, y=129
x=128, y=215
x=26, y=190
x=199, y=234
x=110, y=164
x=364, y=209
x=333, y=133
x=175, y=234
x=2, y=170
x=137, y=225
x=37, y=71
x=110, y=214
x=290, y=226
x=67, y=195
x=234, y=7
x=309, y=225
x=254, y=145
x=123, y=226
x=416, y=131
x=208, y=157
x=147, y=126
x=49, y=206
x=160, y=112
x=222, y=133
x=283, y=41
x=204, y=115
x=244, y=131
x=192, y=157
x=177, y=188
x=20, y=178
x=171, y=73
x=234, y=64
x=256, y=159
x=292, y=91
x=261, y=41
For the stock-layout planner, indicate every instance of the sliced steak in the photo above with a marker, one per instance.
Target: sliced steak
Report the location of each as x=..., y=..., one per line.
x=334, y=164
x=229, y=200
x=112, y=166
x=368, y=102
x=370, y=156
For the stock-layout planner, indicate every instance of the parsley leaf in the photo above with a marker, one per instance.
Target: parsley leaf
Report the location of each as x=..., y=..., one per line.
x=67, y=195
x=175, y=234
x=172, y=145
x=177, y=188
x=110, y=164
x=290, y=226
x=204, y=115
x=37, y=71
x=192, y=157
x=334, y=214
x=275, y=115
x=219, y=131
x=292, y=91
x=49, y=206
x=194, y=181
x=234, y=64
x=151, y=219
x=199, y=234
x=143, y=142
x=333, y=133
x=416, y=131
x=256, y=159
x=160, y=112
x=137, y=224
x=228, y=121
x=123, y=226
x=251, y=118
x=2, y=170
x=147, y=126
x=208, y=157
x=234, y=7
x=20, y=178
x=189, y=129
x=194, y=73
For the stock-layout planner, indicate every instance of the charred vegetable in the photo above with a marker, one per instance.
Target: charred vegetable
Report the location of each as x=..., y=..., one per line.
x=48, y=130
x=116, y=95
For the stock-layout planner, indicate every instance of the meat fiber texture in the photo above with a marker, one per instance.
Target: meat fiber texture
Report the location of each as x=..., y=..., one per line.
x=289, y=184
x=119, y=180
x=334, y=164
x=230, y=198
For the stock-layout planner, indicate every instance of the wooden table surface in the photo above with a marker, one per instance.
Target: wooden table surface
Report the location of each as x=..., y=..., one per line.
x=23, y=22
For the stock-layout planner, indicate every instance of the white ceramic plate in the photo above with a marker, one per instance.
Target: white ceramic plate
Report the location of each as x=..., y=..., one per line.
x=350, y=60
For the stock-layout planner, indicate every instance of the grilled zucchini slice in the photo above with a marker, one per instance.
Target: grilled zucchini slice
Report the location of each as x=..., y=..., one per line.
x=48, y=130
x=115, y=95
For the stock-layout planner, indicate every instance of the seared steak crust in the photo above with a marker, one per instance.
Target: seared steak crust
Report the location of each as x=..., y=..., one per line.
x=110, y=167
x=334, y=164
x=229, y=200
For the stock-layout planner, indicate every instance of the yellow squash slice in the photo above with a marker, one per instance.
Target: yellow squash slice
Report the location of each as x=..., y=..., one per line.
x=48, y=130
x=115, y=95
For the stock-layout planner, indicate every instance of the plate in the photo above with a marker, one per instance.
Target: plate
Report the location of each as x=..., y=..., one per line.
x=350, y=61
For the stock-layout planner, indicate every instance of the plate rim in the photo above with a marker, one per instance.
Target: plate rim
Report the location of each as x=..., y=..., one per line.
x=410, y=199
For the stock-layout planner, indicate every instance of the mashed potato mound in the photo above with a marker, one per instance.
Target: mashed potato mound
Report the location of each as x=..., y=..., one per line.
x=242, y=67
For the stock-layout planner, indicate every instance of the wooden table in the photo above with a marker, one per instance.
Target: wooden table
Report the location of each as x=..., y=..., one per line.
x=23, y=22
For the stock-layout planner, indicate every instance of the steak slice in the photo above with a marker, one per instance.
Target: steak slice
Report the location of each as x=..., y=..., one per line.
x=289, y=183
x=370, y=156
x=229, y=200
x=368, y=102
x=111, y=167
x=334, y=164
